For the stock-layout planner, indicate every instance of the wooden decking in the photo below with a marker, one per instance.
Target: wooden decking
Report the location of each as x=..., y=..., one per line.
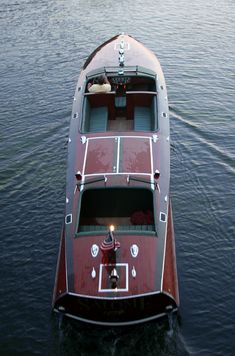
x=120, y=124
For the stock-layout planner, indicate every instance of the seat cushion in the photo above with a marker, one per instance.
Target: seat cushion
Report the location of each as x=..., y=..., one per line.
x=120, y=101
x=142, y=118
x=98, y=119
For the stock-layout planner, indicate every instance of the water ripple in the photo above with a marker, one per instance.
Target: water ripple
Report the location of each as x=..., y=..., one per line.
x=43, y=46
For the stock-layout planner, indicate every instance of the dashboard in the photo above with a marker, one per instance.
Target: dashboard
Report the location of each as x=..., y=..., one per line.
x=120, y=80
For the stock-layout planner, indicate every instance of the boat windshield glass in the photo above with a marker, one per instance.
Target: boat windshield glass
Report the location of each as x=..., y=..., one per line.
x=128, y=209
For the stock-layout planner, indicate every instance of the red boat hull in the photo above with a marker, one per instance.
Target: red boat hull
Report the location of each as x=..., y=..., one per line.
x=118, y=174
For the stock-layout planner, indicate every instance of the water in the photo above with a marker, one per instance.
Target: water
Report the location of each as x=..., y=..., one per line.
x=43, y=46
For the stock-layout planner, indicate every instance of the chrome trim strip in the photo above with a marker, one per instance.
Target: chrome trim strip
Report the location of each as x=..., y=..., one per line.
x=144, y=320
x=128, y=136
x=66, y=272
x=164, y=251
x=112, y=298
x=115, y=174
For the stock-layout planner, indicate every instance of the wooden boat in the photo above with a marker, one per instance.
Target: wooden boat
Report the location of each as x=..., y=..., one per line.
x=116, y=263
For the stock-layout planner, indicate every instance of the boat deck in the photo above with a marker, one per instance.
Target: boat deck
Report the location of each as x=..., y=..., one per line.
x=120, y=124
x=118, y=180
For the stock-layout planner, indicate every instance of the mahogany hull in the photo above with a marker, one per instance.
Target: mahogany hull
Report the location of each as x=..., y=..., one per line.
x=113, y=178
x=125, y=311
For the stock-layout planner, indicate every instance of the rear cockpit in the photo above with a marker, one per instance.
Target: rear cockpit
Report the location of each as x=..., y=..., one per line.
x=131, y=105
x=130, y=210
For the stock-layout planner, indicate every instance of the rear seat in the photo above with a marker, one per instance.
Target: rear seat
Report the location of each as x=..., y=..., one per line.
x=98, y=228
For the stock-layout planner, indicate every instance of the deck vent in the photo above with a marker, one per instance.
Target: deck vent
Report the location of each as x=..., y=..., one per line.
x=162, y=217
x=133, y=272
x=75, y=116
x=93, y=273
x=164, y=114
x=155, y=138
x=83, y=139
x=68, y=219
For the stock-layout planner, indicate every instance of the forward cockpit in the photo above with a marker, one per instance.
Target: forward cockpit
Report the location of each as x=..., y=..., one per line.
x=131, y=105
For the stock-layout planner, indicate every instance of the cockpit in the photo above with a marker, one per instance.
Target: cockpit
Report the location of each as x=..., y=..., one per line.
x=131, y=105
x=130, y=210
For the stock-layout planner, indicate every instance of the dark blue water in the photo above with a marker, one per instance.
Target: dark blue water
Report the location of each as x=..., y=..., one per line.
x=42, y=48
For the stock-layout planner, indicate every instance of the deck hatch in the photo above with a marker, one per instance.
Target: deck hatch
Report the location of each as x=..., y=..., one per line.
x=104, y=280
x=118, y=155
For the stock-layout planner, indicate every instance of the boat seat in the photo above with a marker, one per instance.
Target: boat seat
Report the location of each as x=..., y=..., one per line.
x=91, y=228
x=136, y=227
x=120, y=101
x=142, y=118
x=98, y=119
x=98, y=228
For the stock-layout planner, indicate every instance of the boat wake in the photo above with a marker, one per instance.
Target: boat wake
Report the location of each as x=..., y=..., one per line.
x=148, y=339
x=225, y=157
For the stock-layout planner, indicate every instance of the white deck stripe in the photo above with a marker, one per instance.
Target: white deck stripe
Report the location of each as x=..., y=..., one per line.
x=110, y=290
x=117, y=174
x=83, y=168
x=151, y=162
x=85, y=157
x=66, y=263
x=118, y=159
x=164, y=253
x=102, y=137
x=118, y=155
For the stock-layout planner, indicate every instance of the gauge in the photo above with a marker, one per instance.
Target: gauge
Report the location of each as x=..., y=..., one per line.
x=120, y=80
